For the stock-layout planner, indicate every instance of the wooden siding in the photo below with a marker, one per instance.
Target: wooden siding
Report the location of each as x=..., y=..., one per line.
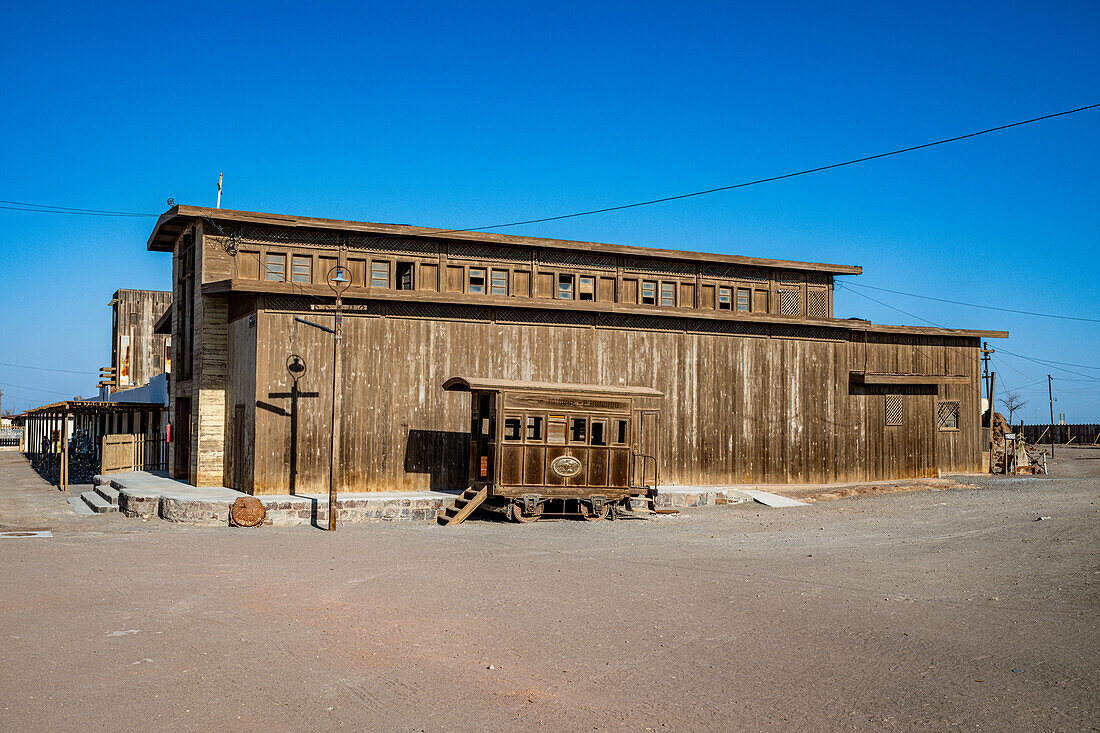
x=775, y=408
x=134, y=313
x=616, y=279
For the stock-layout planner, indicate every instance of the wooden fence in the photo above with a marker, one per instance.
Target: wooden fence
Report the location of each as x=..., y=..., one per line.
x=133, y=453
x=1072, y=434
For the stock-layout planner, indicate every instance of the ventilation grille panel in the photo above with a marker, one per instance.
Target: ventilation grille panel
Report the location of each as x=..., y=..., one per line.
x=894, y=409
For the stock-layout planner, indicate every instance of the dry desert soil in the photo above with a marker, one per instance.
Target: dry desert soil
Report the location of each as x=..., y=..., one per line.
x=969, y=608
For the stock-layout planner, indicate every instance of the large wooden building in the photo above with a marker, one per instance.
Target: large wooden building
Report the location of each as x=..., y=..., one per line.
x=760, y=383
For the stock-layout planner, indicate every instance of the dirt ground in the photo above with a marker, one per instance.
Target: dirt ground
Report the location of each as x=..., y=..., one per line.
x=928, y=610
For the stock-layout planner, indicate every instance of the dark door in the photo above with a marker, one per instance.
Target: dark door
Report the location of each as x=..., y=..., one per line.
x=238, y=448
x=181, y=437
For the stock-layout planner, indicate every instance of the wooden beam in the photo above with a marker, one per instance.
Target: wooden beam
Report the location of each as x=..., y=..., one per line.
x=883, y=378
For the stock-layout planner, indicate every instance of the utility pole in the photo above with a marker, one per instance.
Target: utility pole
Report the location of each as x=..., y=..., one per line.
x=1050, y=393
x=992, y=440
x=219, y=191
x=986, y=352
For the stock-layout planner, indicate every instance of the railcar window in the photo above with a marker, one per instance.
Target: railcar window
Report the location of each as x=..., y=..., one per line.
x=555, y=429
x=620, y=432
x=404, y=274
x=649, y=293
x=477, y=280
x=724, y=302
x=513, y=427
x=565, y=287
x=379, y=274
x=534, y=428
x=668, y=294
x=586, y=288
x=599, y=432
x=499, y=282
x=743, y=299
x=578, y=430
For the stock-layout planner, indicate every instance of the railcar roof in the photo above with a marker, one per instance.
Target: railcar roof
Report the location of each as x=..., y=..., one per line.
x=476, y=384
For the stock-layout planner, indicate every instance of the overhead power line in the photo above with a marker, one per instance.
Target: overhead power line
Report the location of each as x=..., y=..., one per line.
x=977, y=305
x=35, y=389
x=45, y=369
x=51, y=209
x=46, y=208
x=787, y=175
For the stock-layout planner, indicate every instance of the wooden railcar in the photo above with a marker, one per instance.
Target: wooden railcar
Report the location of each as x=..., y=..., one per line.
x=575, y=448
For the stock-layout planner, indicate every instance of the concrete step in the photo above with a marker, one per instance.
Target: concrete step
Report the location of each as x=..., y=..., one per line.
x=97, y=503
x=78, y=505
x=109, y=493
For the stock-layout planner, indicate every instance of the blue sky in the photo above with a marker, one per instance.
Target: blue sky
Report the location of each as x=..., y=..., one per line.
x=463, y=115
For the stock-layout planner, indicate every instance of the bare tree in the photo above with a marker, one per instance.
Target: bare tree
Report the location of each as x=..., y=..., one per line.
x=1012, y=403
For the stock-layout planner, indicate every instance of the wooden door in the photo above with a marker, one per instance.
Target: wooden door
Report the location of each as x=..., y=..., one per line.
x=647, y=439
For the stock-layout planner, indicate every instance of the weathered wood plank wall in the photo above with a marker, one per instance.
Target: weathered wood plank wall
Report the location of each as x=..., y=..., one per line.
x=739, y=408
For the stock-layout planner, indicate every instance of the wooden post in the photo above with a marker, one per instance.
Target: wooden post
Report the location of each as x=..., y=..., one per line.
x=1050, y=394
x=336, y=404
x=64, y=451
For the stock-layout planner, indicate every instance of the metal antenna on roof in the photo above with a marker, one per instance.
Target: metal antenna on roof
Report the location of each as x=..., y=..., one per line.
x=219, y=191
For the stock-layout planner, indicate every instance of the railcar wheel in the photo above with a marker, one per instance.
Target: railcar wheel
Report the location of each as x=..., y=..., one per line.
x=517, y=514
x=592, y=516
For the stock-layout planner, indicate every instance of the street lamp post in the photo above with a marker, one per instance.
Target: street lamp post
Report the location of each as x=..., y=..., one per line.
x=339, y=282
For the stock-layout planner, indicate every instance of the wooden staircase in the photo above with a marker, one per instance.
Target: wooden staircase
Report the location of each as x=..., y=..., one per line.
x=463, y=507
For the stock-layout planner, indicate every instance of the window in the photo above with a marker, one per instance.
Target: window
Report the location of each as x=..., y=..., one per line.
x=743, y=299
x=379, y=274
x=894, y=409
x=790, y=302
x=499, y=283
x=668, y=294
x=477, y=280
x=649, y=292
x=565, y=287
x=578, y=430
x=513, y=428
x=534, y=428
x=949, y=415
x=621, y=432
x=275, y=268
x=586, y=288
x=555, y=429
x=599, y=432
x=404, y=273
x=300, y=269
x=724, y=303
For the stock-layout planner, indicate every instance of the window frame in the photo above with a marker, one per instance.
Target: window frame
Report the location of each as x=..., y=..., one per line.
x=651, y=299
x=725, y=298
x=374, y=279
x=268, y=272
x=746, y=293
x=565, y=279
x=402, y=268
x=940, y=425
x=480, y=273
x=495, y=275
x=295, y=261
x=586, y=285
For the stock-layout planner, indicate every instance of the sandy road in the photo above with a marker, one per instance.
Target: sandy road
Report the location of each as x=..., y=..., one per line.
x=915, y=611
